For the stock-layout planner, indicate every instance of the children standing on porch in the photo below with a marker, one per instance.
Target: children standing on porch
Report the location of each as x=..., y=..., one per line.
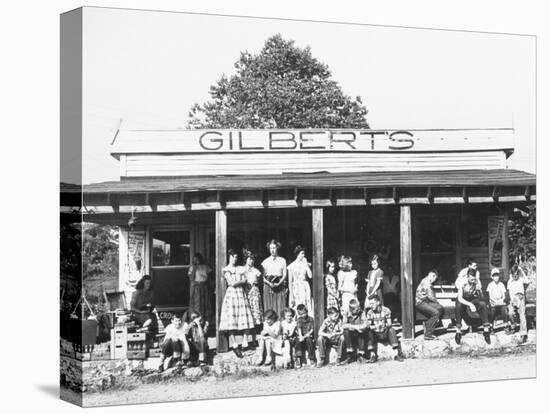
x=333, y=297
x=347, y=282
x=374, y=280
x=236, y=316
x=253, y=276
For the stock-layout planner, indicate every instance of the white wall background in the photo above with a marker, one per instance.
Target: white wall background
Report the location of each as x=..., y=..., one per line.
x=148, y=68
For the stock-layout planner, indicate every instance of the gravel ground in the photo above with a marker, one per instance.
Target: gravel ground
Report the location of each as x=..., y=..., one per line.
x=331, y=378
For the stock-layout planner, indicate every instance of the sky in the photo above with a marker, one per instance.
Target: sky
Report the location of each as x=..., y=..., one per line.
x=149, y=68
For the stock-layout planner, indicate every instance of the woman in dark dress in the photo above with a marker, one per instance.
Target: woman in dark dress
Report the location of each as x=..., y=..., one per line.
x=143, y=306
x=275, y=279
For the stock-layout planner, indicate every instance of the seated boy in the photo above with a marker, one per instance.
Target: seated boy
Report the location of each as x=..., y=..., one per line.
x=355, y=327
x=380, y=330
x=516, y=289
x=304, y=340
x=330, y=335
x=196, y=336
x=470, y=297
x=175, y=345
x=497, y=296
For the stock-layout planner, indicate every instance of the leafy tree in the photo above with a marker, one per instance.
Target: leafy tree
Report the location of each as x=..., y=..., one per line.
x=522, y=235
x=283, y=86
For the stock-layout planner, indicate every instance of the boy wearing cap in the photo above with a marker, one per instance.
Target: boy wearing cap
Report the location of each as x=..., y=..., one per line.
x=497, y=296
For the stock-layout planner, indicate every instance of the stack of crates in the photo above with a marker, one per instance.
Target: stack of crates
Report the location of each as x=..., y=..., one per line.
x=119, y=342
x=136, y=346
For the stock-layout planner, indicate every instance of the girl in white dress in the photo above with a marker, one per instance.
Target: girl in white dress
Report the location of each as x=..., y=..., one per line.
x=298, y=274
x=347, y=282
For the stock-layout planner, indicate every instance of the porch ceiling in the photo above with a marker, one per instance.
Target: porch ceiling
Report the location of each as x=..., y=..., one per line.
x=502, y=177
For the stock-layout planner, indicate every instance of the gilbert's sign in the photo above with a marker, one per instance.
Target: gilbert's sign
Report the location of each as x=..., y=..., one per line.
x=309, y=140
x=305, y=140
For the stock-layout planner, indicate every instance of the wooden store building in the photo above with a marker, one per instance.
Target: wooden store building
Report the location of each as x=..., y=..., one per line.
x=420, y=199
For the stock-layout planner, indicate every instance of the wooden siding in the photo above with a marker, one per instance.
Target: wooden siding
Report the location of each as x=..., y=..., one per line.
x=154, y=165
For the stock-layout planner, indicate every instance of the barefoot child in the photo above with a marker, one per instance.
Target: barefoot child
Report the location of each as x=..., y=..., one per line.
x=288, y=336
x=304, y=340
x=270, y=338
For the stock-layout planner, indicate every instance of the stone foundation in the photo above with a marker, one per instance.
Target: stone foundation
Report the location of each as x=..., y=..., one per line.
x=97, y=376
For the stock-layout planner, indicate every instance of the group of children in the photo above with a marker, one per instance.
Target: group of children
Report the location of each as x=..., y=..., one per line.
x=354, y=334
x=342, y=287
x=504, y=301
x=185, y=341
x=516, y=303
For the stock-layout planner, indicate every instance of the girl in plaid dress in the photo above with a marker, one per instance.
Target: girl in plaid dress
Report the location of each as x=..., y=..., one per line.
x=253, y=277
x=236, y=315
x=333, y=297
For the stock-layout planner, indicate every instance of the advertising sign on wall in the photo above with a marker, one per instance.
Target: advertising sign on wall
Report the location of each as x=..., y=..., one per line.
x=495, y=232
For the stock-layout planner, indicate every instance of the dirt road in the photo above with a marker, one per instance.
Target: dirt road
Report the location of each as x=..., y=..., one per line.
x=354, y=376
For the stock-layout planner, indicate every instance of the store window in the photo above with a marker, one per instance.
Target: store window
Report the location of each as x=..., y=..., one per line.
x=170, y=259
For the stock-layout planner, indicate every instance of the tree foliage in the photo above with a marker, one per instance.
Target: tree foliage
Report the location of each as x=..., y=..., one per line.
x=522, y=235
x=283, y=86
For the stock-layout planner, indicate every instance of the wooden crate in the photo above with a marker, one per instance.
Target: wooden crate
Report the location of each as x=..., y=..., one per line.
x=119, y=351
x=137, y=336
x=136, y=354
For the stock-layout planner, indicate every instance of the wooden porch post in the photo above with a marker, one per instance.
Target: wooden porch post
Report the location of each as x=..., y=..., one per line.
x=221, y=252
x=407, y=294
x=318, y=268
x=505, y=247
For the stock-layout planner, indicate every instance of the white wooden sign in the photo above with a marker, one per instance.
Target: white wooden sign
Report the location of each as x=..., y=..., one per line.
x=310, y=140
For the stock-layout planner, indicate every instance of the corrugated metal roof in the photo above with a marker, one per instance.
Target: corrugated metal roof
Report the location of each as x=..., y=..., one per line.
x=502, y=177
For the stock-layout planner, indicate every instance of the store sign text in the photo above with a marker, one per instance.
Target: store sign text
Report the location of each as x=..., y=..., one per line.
x=304, y=140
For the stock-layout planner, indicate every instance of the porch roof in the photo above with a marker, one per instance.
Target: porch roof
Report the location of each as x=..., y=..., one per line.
x=321, y=180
